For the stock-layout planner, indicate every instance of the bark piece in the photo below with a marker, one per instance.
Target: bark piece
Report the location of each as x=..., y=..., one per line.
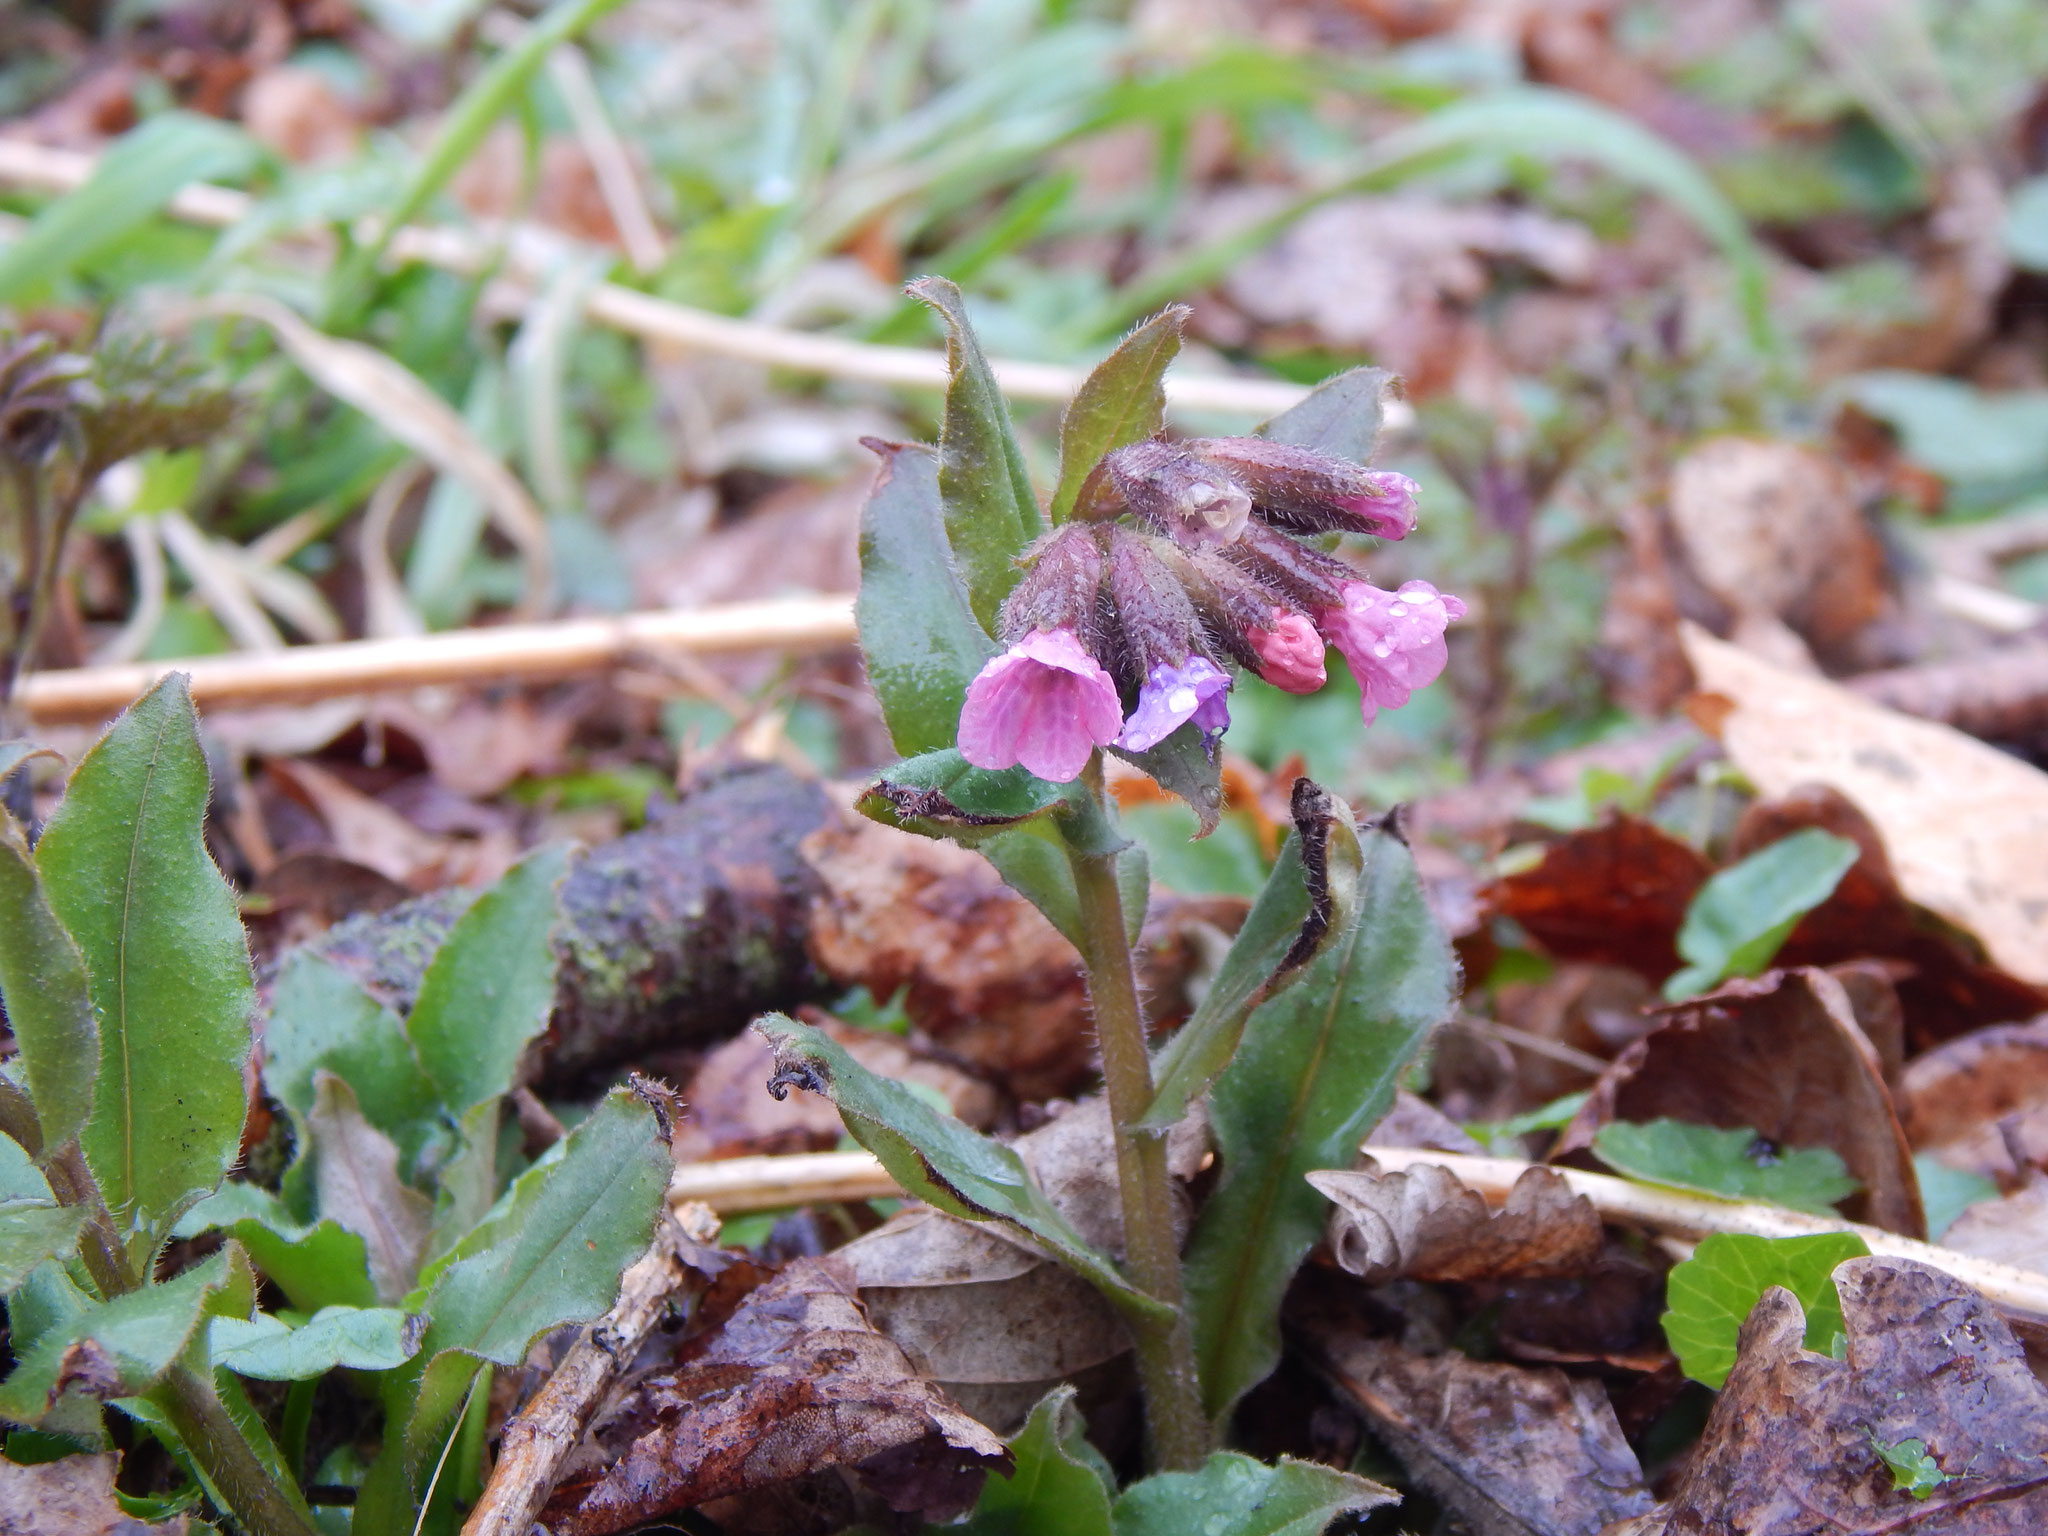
x=1977, y=1100
x=796, y=1382
x=1783, y=1056
x=1513, y=1451
x=1788, y=1449
x=1425, y=1225
x=1615, y=894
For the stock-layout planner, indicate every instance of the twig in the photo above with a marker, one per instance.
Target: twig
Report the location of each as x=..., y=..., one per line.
x=537, y=1442
x=512, y=652
x=23, y=164
x=2016, y=1292
x=744, y=1184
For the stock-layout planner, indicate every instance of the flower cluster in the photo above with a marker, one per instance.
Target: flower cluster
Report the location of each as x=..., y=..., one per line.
x=1183, y=558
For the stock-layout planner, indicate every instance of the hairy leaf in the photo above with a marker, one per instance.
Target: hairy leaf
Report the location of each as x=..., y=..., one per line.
x=32, y=1231
x=490, y=986
x=1340, y=417
x=1061, y=1486
x=1122, y=401
x=321, y=1264
x=1317, y=1068
x=991, y=513
x=935, y=1157
x=1733, y=1164
x=919, y=637
x=1184, y=764
x=1235, y=1494
x=49, y=1006
x=1742, y=916
x=1711, y=1293
x=355, y=1175
x=270, y=1349
x=124, y=861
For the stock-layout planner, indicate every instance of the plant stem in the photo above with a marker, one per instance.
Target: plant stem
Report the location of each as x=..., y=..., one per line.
x=1166, y=1357
x=201, y=1419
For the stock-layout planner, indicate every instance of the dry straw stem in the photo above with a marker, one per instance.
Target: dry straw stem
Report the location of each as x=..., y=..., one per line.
x=53, y=170
x=511, y=652
x=764, y=1183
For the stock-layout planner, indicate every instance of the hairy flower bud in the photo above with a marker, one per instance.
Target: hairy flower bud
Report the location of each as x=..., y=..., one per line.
x=1059, y=589
x=1290, y=654
x=1187, y=499
x=1308, y=492
x=1307, y=577
x=1162, y=643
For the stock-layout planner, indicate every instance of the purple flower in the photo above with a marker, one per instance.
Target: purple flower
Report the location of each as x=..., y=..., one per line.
x=1195, y=690
x=1393, y=640
x=1045, y=703
x=1290, y=654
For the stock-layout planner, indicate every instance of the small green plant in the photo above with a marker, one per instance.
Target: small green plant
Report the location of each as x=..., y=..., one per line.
x=407, y=1254
x=1914, y=1470
x=1711, y=1294
x=1736, y=1164
x=1741, y=917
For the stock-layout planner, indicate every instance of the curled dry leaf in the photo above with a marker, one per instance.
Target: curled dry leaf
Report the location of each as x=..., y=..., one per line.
x=71, y=1496
x=1783, y=1056
x=1980, y=1099
x=1511, y=1450
x=1425, y=1225
x=1965, y=825
x=797, y=1382
x=1615, y=894
x=1790, y=1448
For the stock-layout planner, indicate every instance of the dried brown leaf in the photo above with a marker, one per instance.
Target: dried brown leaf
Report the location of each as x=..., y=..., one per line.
x=2013, y=1230
x=355, y=1172
x=1425, y=1225
x=1615, y=894
x=71, y=1496
x=1976, y=1100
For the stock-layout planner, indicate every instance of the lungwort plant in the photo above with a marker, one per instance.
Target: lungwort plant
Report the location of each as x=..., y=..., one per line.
x=1012, y=646
x=405, y=1246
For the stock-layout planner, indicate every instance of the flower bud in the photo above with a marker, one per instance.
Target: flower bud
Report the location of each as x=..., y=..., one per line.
x=1192, y=502
x=1308, y=578
x=1059, y=590
x=1290, y=654
x=1308, y=492
x=1162, y=643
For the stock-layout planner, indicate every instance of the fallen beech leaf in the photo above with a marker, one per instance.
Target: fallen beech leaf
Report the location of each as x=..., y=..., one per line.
x=1508, y=1448
x=795, y=1382
x=2013, y=1230
x=1425, y=1225
x=1788, y=1449
x=71, y=1496
x=1965, y=824
x=1614, y=894
x=1781, y=1055
x=1976, y=1100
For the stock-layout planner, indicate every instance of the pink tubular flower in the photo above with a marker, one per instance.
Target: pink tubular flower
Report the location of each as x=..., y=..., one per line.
x=1195, y=690
x=1386, y=508
x=1393, y=640
x=1045, y=703
x=1290, y=654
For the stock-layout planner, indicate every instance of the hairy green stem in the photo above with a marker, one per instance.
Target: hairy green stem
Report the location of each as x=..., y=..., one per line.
x=1166, y=1357
x=201, y=1419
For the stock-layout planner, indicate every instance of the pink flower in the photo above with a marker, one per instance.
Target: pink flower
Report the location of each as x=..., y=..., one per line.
x=1290, y=654
x=1386, y=507
x=1393, y=640
x=1195, y=690
x=1045, y=703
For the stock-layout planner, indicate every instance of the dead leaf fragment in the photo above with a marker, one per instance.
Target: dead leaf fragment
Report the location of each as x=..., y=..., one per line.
x=1788, y=1449
x=71, y=1496
x=2013, y=1230
x=1981, y=1098
x=795, y=1383
x=1425, y=1225
x=1783, y=1056
x=355, y=1171
x=1614, y=894
x=1512, y=1450
x=1965, y=825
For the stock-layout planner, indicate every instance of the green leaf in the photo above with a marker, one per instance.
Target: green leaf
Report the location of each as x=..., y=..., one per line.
x=1061, y=1486
x=1958, y=431
x=1317, y=1068
x=1947, y=1192
x=49, y=1005
x=1235, y=1494
x=1734, y=1165
x=31, y=1232
x=935, y=1157
x=2026, y=224
x=131, y=1341
x=1032, y=859
x=124, y=861
x=1913, y=1470
x=991, y=513
x=1341, y=416
x=1184, y=764
x=1712, y=1293
x=1742, y=916
x=1122, y=401
x=270, y=1349
x=490, y=986
x=133, y=181
x=1304, y=907
x=20, y=1178
x=321, y=1020
x=918, y=634
x=318, y=1265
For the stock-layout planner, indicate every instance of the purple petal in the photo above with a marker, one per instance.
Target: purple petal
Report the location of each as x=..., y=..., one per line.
x=1045, y=703
x=1171, y=697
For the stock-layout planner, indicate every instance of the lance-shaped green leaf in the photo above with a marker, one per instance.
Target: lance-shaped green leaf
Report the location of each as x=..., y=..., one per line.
x=1341, y=416
x=1308, y=902
x=1059, y=1486
x=121, y=1346
x=1712, y=1293
x=491, y=985
x=1734, y=1164
x=1244, y=1497
x=1122, y=401
x=125, y=864
x=936, y=1158
x=32, y=1231
x=1316, y=1068
x=49, y=1005
x=991, y=512
x=919, y=637
x=270, y=1349
x=1742, y=916
x=1184, y=764
x=318, y=1264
